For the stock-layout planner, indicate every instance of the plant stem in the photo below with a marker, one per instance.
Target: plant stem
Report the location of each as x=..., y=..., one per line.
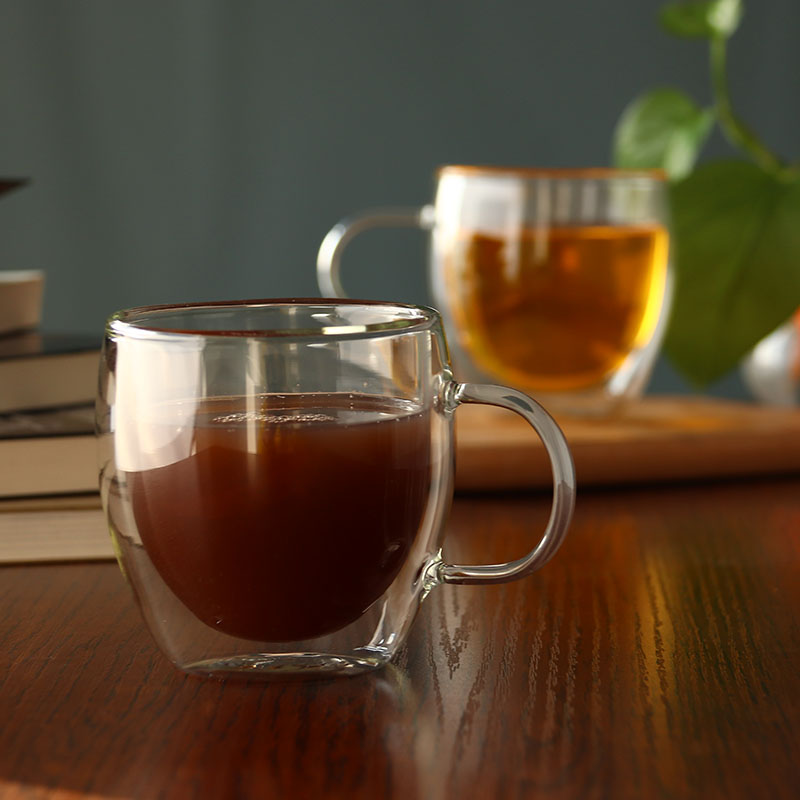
x=737, y=133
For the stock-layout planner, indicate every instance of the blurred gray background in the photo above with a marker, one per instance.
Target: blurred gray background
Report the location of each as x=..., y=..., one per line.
x=200, y=149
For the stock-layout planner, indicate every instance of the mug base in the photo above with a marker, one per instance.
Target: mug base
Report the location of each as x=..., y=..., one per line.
x=280, y=666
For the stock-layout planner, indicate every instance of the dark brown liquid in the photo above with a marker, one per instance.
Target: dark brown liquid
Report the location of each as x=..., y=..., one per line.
x=287, y=521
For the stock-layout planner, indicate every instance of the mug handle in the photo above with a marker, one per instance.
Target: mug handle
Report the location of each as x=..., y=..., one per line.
x=330, y=251
x=563, y=484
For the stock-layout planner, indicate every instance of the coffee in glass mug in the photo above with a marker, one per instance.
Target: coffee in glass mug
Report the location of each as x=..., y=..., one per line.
x=277, y=474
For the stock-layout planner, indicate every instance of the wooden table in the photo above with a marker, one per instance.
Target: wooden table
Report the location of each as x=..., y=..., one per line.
x=658, y=655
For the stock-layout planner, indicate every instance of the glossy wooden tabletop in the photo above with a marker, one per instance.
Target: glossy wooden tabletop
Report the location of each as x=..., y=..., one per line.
x=657, y=655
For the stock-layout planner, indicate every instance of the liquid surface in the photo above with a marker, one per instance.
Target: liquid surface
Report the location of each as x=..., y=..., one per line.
x=288, y=519
x=558, y=309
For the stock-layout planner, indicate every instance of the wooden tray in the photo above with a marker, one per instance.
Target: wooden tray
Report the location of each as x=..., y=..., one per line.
x=656, y=439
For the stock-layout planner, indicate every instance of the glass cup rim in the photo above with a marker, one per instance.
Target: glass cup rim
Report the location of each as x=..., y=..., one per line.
x=553, y=173
x=140, y=322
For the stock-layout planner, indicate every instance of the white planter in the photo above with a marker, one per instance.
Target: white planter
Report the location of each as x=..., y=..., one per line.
x=771, y=370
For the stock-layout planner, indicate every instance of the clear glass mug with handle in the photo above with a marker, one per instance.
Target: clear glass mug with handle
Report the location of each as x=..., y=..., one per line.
x=555, y=281
x=277, y=474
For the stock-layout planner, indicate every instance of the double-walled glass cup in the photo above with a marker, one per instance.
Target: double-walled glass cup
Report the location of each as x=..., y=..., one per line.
x=277, y=475
x=555, y=281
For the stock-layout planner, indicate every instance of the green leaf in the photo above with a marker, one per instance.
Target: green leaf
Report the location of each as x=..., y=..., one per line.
x=736, y=235
x=702, y=20
x=688, y=20
x=663, y=128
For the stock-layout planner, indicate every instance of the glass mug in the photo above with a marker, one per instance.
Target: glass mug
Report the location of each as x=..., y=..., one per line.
x=555, y=281
x=276, y=477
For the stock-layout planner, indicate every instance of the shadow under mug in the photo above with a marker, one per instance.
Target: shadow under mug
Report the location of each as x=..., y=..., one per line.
x=554, y=281
x=277, y=474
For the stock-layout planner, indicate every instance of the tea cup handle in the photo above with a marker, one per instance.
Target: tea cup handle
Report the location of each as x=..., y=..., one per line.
x=330, y=251
x=563, y=484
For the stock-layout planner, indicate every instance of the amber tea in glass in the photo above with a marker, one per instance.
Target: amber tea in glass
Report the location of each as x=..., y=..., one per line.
x=558, y=309
x=555, y=281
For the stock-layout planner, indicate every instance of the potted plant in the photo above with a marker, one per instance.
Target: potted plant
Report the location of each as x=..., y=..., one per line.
x=735, y=222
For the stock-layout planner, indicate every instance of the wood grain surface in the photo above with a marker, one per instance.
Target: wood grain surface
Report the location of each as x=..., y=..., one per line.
x=655, y=657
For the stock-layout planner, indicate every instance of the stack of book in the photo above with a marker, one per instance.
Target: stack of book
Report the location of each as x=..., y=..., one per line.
x=49, y=501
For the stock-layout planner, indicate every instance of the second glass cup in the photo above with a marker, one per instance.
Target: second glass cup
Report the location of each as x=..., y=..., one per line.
x=556, y=281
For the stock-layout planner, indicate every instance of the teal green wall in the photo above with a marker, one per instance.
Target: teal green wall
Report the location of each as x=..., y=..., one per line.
x=190, y=149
